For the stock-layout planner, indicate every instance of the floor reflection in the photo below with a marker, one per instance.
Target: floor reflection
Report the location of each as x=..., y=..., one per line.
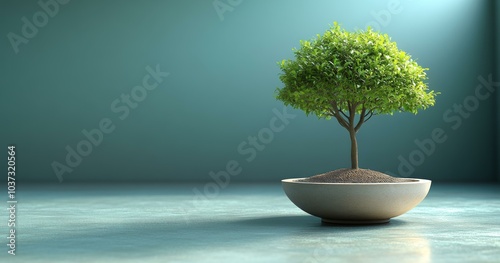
x=396, y=241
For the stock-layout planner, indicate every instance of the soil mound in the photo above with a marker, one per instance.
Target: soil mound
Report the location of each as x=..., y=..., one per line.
x=354, y=176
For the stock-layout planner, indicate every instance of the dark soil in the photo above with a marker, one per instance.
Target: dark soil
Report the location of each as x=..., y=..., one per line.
x=354, y=176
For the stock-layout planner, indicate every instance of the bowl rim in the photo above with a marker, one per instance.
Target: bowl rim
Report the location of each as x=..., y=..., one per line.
x=414, y=181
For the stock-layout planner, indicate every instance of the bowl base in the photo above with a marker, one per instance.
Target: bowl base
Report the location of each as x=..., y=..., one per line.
x=354, y=222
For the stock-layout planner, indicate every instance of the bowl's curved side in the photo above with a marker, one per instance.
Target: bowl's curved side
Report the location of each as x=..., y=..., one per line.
x=355, y=201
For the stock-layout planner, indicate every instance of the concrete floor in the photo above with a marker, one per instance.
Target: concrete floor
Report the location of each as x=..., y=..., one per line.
x=242, y=223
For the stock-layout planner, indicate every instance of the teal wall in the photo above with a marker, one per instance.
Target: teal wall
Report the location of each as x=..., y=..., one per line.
x=497, y=70
x=219, y=91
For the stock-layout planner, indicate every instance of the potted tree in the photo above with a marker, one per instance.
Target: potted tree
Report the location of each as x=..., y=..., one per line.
x=350, y=77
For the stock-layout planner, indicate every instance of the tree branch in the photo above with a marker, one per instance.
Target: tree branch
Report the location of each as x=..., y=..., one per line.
x=361, y=119
x=369, y=114
x=336, y=113
x=343, y=114
x=352, y=113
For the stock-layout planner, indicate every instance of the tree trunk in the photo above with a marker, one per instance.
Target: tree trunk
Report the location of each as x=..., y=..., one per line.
x=354, y=149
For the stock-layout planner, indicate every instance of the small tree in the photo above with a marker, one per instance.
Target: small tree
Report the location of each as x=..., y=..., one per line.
x=352, y=76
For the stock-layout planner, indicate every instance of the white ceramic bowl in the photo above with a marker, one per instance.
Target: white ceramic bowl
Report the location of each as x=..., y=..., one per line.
x=356, y=203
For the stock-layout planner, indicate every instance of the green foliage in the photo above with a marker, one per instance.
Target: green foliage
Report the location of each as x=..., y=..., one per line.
x=360, y=72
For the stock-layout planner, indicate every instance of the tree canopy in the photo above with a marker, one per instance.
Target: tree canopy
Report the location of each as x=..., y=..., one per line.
x=342, y=74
